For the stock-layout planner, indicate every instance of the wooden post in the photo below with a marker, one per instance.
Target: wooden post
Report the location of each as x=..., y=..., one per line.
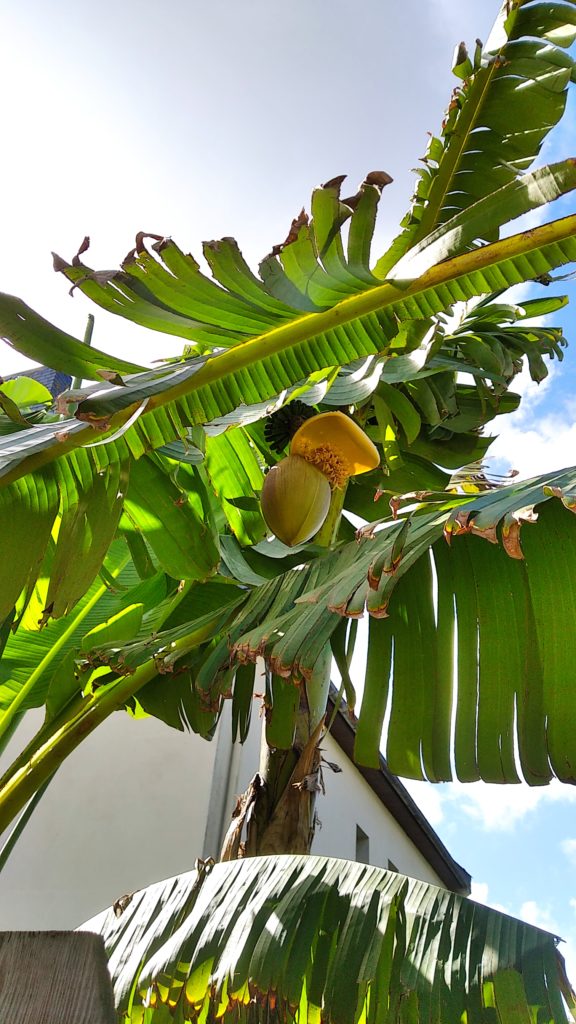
x=54, y=978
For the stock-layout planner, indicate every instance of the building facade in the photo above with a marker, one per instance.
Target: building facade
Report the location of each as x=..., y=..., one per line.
x=138, y=802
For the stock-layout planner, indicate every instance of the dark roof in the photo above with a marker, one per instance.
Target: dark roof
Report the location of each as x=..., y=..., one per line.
x=403, y=808
x=54, y=380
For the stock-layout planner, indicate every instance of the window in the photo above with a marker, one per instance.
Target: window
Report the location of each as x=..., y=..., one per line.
x=362, y=846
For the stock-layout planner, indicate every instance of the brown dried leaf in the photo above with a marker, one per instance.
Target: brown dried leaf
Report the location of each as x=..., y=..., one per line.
x=111, y=375
x=568, y=500
x=46, y=613
x=83, y=247
x=398, y=500
x=301, y=221
x=365, y=532
x=381, y=612
x=378, y=178
x=336, y=182
x=486, y=532
x=140, y=247
x=58, y=263
x=96, y=422
x=511, y=530
x=352, y=201
x=460, y=523
x=101, y=277
x=120, y=905
x=511, y=539
x=310, y=783
x=373, y=578
x=65, y=399
x=232, y=846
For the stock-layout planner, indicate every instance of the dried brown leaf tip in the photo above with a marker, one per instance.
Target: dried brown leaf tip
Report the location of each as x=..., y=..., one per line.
x=380, y=611
x=488, y=532
x=299, y=222
x=567, y=499
x=366, y=532
x=335, y=183
x=46, y=613
x=120, y=905
x=395, y=502
x=467, y=522
x=162, y=243
x=378, y=178
x=82, y=248
x=95, y=421
x=511, y=530
x=101, y=277
x=142, y=236
x=112, y=376
x=58, y=264
x=65, y=399
x=352, y=201
x=398, y=501
x=460, y=523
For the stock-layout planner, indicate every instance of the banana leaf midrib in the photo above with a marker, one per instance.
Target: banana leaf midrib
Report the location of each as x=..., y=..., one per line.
x=305, y=328
x=354, y=307
x=453, y=153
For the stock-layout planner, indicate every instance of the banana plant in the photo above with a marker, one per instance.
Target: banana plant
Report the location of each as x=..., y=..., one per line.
x=148, y=483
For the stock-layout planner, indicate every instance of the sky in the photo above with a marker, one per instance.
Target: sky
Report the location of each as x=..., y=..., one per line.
x=201, y=120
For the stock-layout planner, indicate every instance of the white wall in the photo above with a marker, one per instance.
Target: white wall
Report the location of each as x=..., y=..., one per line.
x=138, y=802
x=127, y=808
x=349, y=801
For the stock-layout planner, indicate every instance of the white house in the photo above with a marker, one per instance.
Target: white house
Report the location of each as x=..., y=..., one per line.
x=138, y=802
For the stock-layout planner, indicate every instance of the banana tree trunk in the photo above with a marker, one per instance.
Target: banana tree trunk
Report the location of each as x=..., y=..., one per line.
x=276, y=814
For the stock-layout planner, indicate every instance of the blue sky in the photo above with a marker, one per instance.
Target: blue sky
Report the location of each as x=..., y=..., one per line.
x=201, y=120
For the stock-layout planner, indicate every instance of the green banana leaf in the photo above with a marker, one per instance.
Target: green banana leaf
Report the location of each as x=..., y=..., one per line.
x=490, y=655
x=360, y=325
x=31, y=656
x=496, y=121
x=311, y=938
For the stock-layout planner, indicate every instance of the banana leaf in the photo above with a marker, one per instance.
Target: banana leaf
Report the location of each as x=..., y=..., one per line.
x=311, y=938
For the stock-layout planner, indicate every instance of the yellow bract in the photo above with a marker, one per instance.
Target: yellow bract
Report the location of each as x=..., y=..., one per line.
x=336, y=445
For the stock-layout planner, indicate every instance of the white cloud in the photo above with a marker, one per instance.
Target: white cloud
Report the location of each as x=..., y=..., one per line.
x=568, y=846
x=500, y=808
x=479, y=893
x=549, y=444
x=495, y=808
x=430, y=798
x=532, y=441
x=540, y=916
